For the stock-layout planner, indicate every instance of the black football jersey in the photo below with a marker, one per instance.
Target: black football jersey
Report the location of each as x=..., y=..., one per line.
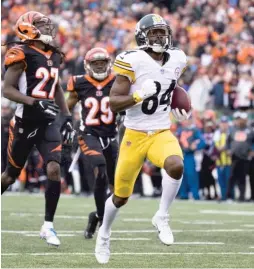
x=97, y=117
x=39, y=78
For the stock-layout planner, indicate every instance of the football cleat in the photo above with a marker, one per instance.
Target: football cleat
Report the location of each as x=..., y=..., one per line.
x=93, y=221
x=102, y=249
x=49, y=234
x=164, y=232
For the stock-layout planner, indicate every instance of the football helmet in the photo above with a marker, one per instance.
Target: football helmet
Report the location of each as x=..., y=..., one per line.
x=97, y=63
x=35, y=26
x=158, y=43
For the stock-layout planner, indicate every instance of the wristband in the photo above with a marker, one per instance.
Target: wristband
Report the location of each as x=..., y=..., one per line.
x=136, y=97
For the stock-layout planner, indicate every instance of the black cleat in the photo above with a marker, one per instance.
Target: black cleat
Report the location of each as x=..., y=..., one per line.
x=91, y=226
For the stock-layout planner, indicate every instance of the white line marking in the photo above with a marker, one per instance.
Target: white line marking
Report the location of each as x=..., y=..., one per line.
x=228, y=212
x=130, y=253
x=139, y=231
x=251, y=246
x=195, y=222
x=41, y=215
x=248, y=225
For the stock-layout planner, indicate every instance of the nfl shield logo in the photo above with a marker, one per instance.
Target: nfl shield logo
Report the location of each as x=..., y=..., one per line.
x=162, y=71
x=49, y=62
x=98, y=93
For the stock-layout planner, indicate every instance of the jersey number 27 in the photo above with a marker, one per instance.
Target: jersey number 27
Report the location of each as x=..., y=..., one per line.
x=43, y=74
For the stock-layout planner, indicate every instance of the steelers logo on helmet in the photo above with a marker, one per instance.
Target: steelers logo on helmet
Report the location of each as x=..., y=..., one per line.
x=153, y=32
x=35, y=26
x=98, y=63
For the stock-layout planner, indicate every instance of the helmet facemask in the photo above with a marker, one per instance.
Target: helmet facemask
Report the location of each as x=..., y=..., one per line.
x=46, y=28
x=158, y=39
x=99, y=69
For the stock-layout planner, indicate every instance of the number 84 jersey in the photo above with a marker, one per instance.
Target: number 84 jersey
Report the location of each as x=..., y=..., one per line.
x=138, y=66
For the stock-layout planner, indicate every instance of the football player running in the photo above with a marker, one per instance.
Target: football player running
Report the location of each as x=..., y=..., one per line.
x=145, y=80
x=97, y=130
x=32, y=81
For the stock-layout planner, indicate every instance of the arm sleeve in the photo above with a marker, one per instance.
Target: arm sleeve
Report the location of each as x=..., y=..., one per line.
x=14, y=55
x=123, y=67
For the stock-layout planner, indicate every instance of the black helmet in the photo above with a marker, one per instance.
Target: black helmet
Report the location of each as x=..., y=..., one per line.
x=148, y=22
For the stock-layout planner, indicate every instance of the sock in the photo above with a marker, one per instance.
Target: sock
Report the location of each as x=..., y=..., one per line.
x=109, y=216
x=48, y=224
x=170, y=188
x=100, y=193
x=52, y=195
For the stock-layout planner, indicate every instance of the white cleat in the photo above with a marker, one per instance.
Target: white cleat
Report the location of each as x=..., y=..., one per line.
x=164, y=232
x=102, y=250
x=49, y=234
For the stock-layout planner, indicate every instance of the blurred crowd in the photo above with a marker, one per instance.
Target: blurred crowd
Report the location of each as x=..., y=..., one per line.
x=216, y=35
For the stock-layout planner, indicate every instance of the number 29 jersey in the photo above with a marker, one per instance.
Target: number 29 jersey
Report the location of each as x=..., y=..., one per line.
x=96, y=116
x=38, y=79
x=138, y=66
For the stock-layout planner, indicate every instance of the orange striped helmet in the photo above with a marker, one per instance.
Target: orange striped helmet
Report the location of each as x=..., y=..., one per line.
x=99, y=72
x=34, y=26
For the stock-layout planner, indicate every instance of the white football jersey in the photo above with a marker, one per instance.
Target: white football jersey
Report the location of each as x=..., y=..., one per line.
x=152, y=113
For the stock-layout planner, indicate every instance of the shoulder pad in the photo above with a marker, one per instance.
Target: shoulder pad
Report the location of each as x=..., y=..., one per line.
x=14, y=55
x=125, y=64
x=71, y=83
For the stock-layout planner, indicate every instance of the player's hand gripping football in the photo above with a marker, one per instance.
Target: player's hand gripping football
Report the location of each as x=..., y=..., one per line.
x=48, y=108
x=180, y=115
x=148, y=89
x=67, y=130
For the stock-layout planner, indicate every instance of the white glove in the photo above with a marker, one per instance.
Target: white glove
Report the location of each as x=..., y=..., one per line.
x=180, y=116
x=148, y=89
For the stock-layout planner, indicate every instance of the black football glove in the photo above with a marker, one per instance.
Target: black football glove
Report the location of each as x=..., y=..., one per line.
x=67, y=130
x=48, y=109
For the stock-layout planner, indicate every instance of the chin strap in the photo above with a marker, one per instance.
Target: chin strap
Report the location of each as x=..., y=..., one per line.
x=45, y=39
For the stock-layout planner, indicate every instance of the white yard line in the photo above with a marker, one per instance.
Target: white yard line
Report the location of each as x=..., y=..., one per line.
x=248, y=225
x=41, y=215
x=130, y=253
x=138, y=231
x=227, y=212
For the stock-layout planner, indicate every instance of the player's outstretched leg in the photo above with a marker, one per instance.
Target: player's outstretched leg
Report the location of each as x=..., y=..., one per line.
x=100, y=194
x=52, y=195
x=171, y=183
x=102, y=248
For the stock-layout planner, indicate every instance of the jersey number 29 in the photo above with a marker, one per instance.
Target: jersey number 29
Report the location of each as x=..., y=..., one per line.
x=43, y=74
x=107, y=115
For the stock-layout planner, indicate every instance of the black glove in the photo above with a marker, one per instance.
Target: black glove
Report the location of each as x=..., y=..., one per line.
x=47, y=108
x=67, y=130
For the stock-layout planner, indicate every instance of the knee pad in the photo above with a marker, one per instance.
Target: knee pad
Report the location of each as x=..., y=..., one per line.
x=53, y=171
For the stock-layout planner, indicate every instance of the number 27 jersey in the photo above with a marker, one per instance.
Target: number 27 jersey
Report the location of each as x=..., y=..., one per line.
x=138, y=66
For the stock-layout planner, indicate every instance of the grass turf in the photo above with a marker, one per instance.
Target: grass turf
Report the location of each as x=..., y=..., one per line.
x=229, y=228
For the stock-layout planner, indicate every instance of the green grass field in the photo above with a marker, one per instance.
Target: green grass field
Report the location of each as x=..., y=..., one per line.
x=207, y=235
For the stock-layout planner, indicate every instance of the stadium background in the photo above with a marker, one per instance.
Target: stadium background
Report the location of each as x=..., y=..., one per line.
x=217, y=36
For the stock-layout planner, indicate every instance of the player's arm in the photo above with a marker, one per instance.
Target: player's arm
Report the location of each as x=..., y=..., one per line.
x=10, y=88
x=60, y=100
x=119, y=98
x=73, y=96
x=66, y=118
x=72, y=100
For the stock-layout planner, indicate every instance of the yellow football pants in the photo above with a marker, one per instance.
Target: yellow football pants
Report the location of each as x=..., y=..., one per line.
x=135, y=147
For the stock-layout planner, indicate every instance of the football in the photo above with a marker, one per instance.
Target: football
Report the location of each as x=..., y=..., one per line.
x=180, y=99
